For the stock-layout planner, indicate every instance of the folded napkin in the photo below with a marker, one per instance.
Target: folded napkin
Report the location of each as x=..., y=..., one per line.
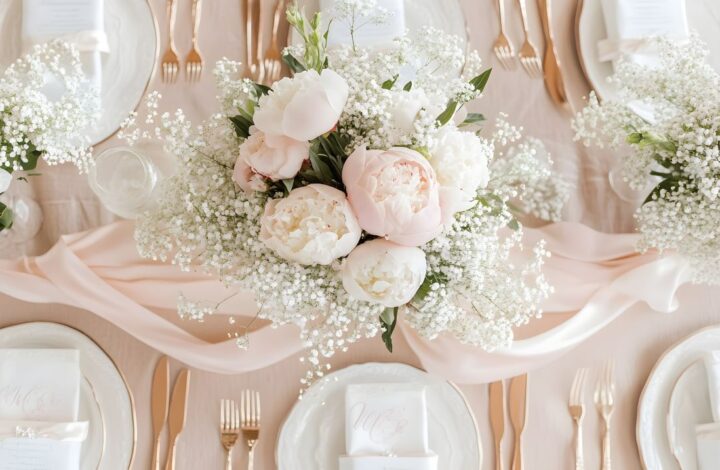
x=81, y=22
x=389, y=463
x=708, y=446
x=39, y=400
x=386, y=428
x=630, y=23
x=370, y=34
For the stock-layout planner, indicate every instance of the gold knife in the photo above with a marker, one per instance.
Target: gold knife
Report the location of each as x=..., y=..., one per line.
x=551, y=63
x=497, y=418
x=159, y=406
x=178, y=414
x=518, y=412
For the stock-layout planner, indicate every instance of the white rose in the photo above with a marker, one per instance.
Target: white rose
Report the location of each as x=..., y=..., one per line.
x=303, y=107
x=382, y=272
x=5, y=180
x=312, y=225
x=460, y=160
x=405, y=107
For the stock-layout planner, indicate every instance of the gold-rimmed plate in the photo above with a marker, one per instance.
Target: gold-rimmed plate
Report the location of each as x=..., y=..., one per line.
x=132, y=32
x=105, y=399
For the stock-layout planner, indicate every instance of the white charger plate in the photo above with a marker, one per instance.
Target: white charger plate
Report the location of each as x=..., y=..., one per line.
x=703, y=18
x=105, y=400
x=446, y=15
x=313, y=436
x=132, y=33
x=689, y=406
x=651, y=432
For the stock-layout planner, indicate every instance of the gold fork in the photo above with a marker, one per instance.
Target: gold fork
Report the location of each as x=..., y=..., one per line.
x=250, y=421
x=170, y=62
x=529, y=57
x=250, y=69
x=604, y=401
x=273, y=60
x=503, y=48
x=194, y=61
x=229, y=428
x=577, y=410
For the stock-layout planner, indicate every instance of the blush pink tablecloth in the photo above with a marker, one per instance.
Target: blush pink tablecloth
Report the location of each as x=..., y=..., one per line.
x=597, y=275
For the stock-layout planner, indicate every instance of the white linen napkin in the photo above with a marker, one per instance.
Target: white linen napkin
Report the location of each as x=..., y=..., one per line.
x=81, y=22
x=708, y=446
x=630, y=23
x=370, y=34
x=39, y=400
x=386, y=428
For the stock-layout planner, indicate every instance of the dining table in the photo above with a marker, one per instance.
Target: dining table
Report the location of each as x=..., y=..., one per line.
x=634, y=341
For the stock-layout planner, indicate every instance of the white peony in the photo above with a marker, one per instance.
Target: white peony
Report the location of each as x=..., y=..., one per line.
x=5, y=180
x=405, y=108
x=460, y=160
x=303, y=107
x=313, y=225
x=382, y=272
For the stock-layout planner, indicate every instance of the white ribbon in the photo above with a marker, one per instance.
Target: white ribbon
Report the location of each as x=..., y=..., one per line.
x=73, y=431
x=613, y=49
x=84, y=41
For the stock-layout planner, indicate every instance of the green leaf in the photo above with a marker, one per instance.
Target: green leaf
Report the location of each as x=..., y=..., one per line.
x=261, y=89
x=321, y=169
x=6, y=217
x=388, y=321
x=446, y=115
x=408, y=86
x=33, y=156
x=481, y=80
x=242, y=126
x=634, y=138
x=668, y=185
x=288, y=183
x=388, y=84
x=514, y=225
x=473, y=118
x=295, y=65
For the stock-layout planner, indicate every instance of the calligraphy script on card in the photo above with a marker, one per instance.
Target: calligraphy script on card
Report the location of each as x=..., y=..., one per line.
x=33, y=402
x=380, y=425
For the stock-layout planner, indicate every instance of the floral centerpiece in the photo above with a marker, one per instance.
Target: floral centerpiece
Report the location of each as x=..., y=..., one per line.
x=356, y=191
x=669, y=116
x=44, y=108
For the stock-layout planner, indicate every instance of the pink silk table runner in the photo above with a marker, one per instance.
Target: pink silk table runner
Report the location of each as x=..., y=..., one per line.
x=597, y=277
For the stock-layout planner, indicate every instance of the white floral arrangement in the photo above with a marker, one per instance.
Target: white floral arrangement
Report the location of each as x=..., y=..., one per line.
x=669, y=116
x=346, y=196
x=45, y=106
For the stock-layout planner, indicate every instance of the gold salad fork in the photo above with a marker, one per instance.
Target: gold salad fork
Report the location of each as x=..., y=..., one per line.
x=577, y=411
x=503, y=48
x=250, y=422
x=604, y=401
x=194, y=61
x=170, y=63
x=529, y=57
x=229, y=428
x=273, y=59
x=250, y=69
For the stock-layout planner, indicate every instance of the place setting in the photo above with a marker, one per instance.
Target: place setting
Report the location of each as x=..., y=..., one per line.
x=356, y=198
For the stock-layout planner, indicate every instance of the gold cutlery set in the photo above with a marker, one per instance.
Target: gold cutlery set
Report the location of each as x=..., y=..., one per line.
x=517, y=405
x=265, y=68
x=604, y=398
x=165, y=409
x=244, y=421
x=170, y=63
x=549, y=68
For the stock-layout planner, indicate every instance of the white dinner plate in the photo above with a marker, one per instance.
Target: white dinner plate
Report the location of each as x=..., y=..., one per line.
x=651, y=433
x=132, y=34
x=105, y=400
x=313, y=436
x=703, y=18
x=445, y=15
x=689, y=406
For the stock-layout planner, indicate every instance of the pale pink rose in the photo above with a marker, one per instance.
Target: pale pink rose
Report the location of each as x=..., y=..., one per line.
x=246, y=178
x=303, y=107
x=312, y=225
x=382, y=272
x=274, y=156
x=395, y=194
